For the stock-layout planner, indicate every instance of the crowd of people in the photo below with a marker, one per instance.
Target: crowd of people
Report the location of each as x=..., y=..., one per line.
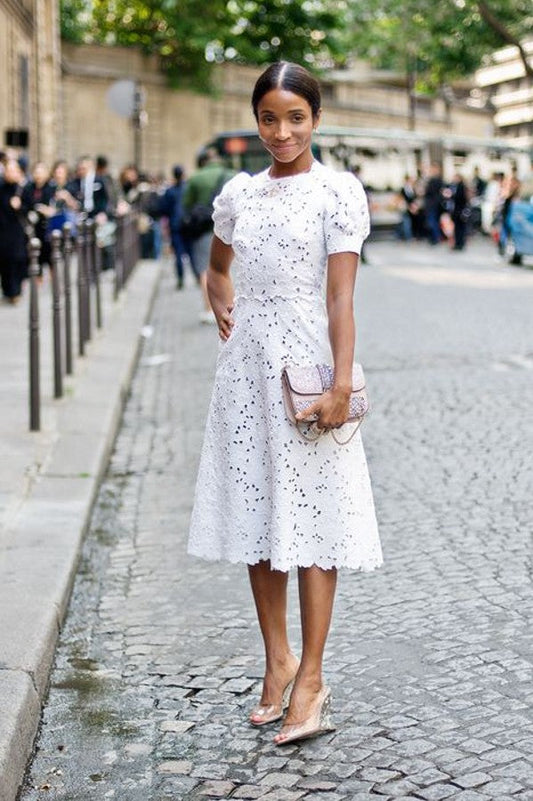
x=35, y=202
x=437, y=211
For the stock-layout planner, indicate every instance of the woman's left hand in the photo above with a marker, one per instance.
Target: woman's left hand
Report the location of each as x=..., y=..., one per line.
x=332, y=409
x=225, y=322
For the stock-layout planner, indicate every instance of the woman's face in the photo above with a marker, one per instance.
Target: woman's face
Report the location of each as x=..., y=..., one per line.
x=61, y=174
x=286, y=123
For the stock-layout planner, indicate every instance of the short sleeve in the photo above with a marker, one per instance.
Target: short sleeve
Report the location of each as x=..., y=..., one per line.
x=347, y=221
x=226, y=205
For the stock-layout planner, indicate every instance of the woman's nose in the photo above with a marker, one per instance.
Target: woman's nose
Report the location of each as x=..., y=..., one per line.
x=283, y=131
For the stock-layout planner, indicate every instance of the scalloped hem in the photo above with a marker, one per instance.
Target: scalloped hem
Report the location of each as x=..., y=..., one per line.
x=362, y=567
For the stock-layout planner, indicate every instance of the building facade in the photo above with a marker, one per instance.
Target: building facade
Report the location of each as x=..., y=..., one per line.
x=30, y=98
x=511, y=93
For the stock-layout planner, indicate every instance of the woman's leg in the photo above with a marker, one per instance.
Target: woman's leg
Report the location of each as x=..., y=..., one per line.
x=269, y=589
x=317, y=594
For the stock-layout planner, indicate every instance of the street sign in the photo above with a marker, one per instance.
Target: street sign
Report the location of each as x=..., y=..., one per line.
x=121, y=97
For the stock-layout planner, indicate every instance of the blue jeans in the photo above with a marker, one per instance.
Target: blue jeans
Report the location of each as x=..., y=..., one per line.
x=433, y=225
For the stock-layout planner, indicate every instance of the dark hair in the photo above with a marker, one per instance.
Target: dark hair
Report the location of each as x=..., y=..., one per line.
x=177, y=172
x=101, y=162
x=292, y=78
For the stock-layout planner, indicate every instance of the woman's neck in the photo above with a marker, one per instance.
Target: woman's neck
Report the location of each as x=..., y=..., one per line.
x=280, y=169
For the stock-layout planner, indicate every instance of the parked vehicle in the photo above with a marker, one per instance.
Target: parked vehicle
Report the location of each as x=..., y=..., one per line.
x=519, y=240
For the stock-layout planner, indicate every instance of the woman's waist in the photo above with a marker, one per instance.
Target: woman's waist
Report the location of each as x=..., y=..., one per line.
x=270, y=297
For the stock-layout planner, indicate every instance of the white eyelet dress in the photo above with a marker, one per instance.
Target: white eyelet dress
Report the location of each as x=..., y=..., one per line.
x=263, y=493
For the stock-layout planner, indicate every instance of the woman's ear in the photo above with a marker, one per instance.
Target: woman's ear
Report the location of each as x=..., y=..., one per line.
x=316, y=119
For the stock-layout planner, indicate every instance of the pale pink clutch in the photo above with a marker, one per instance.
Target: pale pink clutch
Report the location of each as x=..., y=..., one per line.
x=302, y=386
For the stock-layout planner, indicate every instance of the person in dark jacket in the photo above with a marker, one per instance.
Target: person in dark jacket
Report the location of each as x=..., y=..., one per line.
x=37, y=197
x=433, y=203
x=171, y=207
x=460, y=211
x=89, y=190
x=13, y=251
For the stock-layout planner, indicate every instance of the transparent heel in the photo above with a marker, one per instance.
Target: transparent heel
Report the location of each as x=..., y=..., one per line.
x=272, y=712
x=319, y=722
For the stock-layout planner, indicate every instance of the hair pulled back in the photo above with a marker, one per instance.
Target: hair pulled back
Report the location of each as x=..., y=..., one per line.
x=292, y=78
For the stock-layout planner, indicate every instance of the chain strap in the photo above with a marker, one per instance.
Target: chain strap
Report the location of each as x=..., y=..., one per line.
x=320, y=431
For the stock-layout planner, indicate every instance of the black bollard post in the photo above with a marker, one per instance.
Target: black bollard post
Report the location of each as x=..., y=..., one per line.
x=56, y=313
x=89, y=273
x=95, y=250
x=35, y=390
x=82, y=287
x=67, y=288
x=119, y=256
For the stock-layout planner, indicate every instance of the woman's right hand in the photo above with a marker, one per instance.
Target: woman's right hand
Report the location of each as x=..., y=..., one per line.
x=225, y=323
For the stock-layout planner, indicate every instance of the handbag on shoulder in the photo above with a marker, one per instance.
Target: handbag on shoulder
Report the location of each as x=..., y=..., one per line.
x=302, y=386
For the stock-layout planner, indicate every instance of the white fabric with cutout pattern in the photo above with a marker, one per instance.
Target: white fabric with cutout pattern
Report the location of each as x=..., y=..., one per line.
x=263, y=493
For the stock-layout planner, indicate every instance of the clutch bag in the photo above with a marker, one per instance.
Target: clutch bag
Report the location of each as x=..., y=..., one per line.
x=302, y=386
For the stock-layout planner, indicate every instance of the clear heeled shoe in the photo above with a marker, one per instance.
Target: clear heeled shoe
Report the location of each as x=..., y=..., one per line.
x=270, y=713
x=319, y=722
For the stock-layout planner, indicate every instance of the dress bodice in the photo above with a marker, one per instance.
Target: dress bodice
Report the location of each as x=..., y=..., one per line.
x=283, y=229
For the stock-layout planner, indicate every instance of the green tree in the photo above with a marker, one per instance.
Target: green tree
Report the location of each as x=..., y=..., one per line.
x=438, y=42
x=190, y=37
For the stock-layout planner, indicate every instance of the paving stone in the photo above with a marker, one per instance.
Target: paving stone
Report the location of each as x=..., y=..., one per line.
x=249, y=791
x=436, y=792
x=316, y=784
x=280, y=779
x=176, y=726
x=502, y=787
x=175, y=766
x=472, y=780
x=217, y=789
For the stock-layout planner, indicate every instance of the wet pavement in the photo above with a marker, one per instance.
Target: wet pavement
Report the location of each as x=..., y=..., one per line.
x=430, y=659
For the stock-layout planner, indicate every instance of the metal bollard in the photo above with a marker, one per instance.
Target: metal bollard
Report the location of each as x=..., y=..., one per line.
x=35, y=391
x=56, y=313
x=67, y=288
x=82, y=287
x=89, y=273
x=119, y=257
x=95, y=258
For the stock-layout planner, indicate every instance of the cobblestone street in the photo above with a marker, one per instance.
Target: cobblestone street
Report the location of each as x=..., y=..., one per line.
x=430, y=659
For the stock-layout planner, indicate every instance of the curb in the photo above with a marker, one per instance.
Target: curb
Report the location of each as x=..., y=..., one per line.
x=39, y=562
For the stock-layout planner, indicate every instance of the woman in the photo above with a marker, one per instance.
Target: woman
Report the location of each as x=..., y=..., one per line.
x=37, y=197
x=13, y=253
x=264, y=496
x=64, y=207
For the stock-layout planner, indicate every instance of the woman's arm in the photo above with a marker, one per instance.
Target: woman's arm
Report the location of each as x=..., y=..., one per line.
x=333, y=408
x=219, y=285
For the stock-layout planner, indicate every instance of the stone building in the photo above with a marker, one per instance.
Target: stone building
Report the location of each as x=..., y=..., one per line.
x=30, y=67
x=511, y=93
x=179, y=123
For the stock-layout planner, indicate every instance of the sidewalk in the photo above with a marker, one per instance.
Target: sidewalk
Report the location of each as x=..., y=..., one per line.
x=48, y=481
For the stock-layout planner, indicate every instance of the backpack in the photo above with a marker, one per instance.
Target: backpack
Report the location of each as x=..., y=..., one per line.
x=198, y=220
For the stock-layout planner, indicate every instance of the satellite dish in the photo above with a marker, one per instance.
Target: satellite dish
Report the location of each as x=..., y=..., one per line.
x=121, y=97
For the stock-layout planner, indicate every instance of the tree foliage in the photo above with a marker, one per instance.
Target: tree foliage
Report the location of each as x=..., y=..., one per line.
x=190, y=36
x=437, y=41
